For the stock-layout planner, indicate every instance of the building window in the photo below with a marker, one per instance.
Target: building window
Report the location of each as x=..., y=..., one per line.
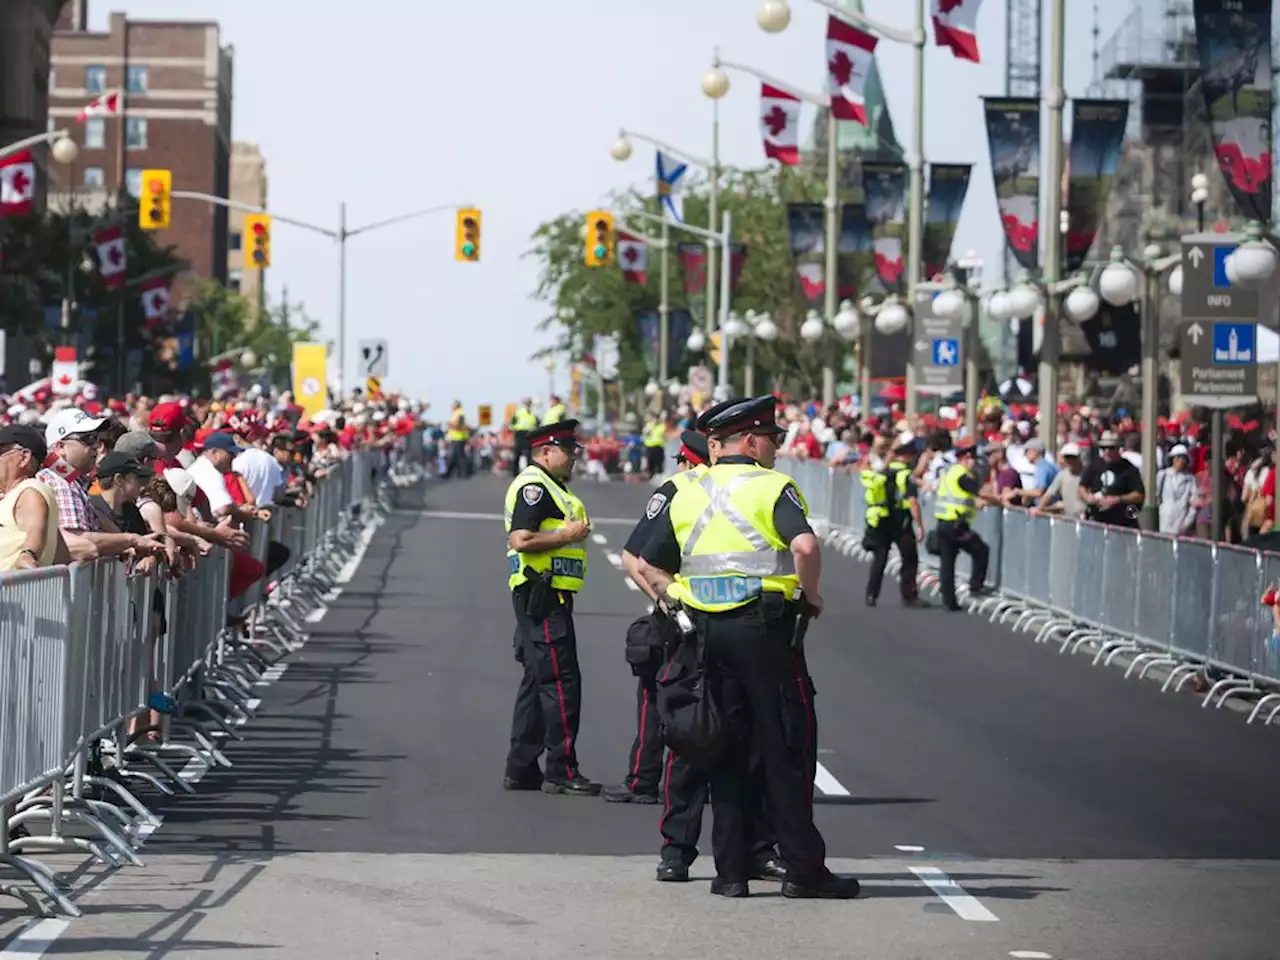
x=136, y=132
x=94, y=177
x=53, y=77
x=95, y=133
x=95, y=79
x=133, y=181
x=236, y=240
x=136, y=80
x=233, y=279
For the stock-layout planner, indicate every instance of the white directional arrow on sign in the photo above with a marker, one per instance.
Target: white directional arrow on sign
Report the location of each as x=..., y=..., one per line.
x=1196, y=256
x=1195, y=332
x=922, y=346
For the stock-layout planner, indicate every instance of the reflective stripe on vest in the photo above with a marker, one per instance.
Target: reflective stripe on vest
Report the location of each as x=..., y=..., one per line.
x=567, y=564
x=953, y=503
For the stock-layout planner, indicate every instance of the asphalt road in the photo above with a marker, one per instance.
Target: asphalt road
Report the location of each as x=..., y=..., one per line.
x=1052, y=808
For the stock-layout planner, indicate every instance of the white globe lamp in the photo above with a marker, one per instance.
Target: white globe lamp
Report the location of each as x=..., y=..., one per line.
x=998, y=306
x=846, y=320
x=1082, y=304
x=773, y=16
x=734, y=327
x=892, y=318
x=248, y=359
x=65, y=150
x=766, y=329
x=651, y=388
x=1199, y=196
x=621, y=149
x=812, y=328
x=715, y=83
x=948, y=304
x=1199, y=182
x=1253, y=263
x=1024, y=300
x=1118, y=282
x=1175, y=281
x=696, y=342
x=673, y=388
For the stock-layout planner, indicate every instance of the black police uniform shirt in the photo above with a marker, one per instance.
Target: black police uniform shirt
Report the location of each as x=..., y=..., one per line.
x=653, y=511
x=534, y=504
x=1113, y=478
x=663, y=551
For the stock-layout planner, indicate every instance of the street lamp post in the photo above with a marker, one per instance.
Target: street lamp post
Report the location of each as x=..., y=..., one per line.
x=1051, y=342
x=965, y=299
x=64, y=148
x=774, y=16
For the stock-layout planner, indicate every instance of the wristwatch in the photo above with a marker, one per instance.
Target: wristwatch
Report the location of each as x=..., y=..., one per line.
x=31, y=553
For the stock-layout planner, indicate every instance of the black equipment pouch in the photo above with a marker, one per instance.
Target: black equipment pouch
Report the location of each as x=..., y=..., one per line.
x=647, y=638
x=931, y=542
x=693, y=727
x=542, y=598
x=801, y=628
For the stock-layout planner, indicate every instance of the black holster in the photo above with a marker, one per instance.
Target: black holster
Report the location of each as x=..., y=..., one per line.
x=541, y=600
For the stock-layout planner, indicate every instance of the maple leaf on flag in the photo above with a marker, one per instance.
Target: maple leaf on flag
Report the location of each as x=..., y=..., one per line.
x=116, y=255
x=630, y=254
x=946, y=6
x=841, y=68
x=20, y=182
x=776, y=119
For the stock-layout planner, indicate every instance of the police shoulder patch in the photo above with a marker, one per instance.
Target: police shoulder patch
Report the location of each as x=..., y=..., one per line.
x=790, y=493
x=656, y=505
x=532, y=493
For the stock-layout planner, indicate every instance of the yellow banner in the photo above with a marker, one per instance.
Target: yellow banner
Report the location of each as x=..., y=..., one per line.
x=486, y=415
x=310, y=366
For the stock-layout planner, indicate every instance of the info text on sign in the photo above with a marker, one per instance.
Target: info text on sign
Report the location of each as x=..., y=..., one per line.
x=1219, y=382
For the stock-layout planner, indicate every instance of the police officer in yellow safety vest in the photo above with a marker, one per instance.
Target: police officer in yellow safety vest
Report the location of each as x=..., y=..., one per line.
x=457, y=434
x=555, y=413
x=738, y=554
x=546, y=525
x=893, y=520
x=955, y=509
x=654, y=437
x=522, y=421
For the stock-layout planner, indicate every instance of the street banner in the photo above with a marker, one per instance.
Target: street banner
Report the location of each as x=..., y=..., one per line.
x=693, y=265
x=955, y=25
x=1013, y=138
x=885, y=186
x=855, y=260
x=737, y=260
x=808, y=248
x=633, y=257
x=780, y=125
x=1097, y=132
x=112, y=257
x=17, y=184
x=484, y=415
x=679, y=326
x=310, y=375
x=154, y=294
x=948, y=185
x=1234, y=42
x=850, y=59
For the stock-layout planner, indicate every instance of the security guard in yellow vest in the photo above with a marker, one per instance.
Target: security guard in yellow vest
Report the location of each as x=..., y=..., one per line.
x=893, y=520
x=522, y=421
x=546, y=525
x=457, y=434
x=555, y=413
x=738, y=553
x=654, y=437
x=954, y=511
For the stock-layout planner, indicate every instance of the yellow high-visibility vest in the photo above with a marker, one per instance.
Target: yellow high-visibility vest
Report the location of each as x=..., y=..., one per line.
x=457, y=426
x=881, y=498
x=568, y=564
x=953, y=503
x=554, y=414
x=524, y=420
x=655, y=434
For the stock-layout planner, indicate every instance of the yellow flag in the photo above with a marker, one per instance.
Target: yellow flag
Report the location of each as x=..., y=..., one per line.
x=310, y=364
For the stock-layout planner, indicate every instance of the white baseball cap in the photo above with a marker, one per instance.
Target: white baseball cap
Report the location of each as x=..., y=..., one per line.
x=1179, y=450
x=68, y=423
x=1069, y=450
x=183, y=486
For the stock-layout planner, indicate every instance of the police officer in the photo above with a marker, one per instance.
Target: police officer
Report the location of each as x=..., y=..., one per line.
x=546, y=525
x=738, y=552
x=555, y=413
x=522, y=421
x=457, y=436
x=954, y=510
x=654, y=437
x=893, y=520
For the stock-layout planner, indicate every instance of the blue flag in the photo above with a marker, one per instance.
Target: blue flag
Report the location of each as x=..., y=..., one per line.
x=669, y=173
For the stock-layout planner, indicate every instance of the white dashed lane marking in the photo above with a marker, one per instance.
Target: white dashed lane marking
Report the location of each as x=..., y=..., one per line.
x=965, y=905
x=599, y=539
x=614, y=558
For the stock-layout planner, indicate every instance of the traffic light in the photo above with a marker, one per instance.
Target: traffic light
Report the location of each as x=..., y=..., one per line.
x=257, y=228
x=601, y=238
x=155, y=204
x=467, y=246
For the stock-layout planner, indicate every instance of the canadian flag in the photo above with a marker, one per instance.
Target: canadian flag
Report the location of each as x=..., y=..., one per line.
x=955, y=25
x=780, y=125
x=633, y=256
x=107, y=105
x=850, y=55
x=812, y=281
x=17, y=184
x=112, y=261
x=155, y=300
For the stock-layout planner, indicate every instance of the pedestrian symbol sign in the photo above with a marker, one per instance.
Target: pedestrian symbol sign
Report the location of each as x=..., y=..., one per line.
x=1233, y=343
x=1220, y=254
x=946, y=352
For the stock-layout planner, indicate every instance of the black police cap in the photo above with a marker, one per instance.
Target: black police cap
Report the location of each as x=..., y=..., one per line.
x=564, y=434
x=693, y=447
x=758, y=415
x=705, y=417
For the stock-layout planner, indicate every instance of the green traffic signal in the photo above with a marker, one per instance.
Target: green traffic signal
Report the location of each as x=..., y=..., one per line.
x=601, y=251
x=468, y=249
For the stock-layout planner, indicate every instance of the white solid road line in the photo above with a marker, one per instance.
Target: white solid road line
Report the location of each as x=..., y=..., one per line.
x=829, y=785
x=1030, y=955
x=966, y=907
x=908, y=848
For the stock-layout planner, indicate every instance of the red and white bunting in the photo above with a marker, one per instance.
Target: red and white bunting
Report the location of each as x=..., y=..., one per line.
x=112, y=261
x=107, y=105
x=17, y=184
x=780, y=125
x=955, y=25
x=155, y=300
x=850, y=56
x=633, y=257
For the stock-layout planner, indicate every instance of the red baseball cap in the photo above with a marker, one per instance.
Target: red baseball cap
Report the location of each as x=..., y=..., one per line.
x=168, y=418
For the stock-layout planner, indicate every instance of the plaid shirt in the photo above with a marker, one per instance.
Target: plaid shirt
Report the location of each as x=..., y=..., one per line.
x=74, y=510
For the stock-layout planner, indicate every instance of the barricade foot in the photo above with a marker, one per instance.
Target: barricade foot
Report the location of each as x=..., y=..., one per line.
x=136, y=805
x=1146, y=661
x=151, y=753
x=150, y=778
x=1266, y=701
x=1078, y=638
x=1112, y=649
x=1227, y=688
x=208, y=750
x=43, y=878
x=1181, y=674
x=57, y=843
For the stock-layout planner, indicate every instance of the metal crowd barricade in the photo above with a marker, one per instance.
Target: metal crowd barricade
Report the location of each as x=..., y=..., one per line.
x=107, y=677
x=1182, y=604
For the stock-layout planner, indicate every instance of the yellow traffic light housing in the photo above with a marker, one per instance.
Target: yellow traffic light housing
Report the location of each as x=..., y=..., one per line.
x=467, y=244
x=156, y=203
x=601, y=238
x=257, y=229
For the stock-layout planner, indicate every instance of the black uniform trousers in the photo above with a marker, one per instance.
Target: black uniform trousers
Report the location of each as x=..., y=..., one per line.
x=955, y=536
x=894, y=531
x=519, y=448
x=765, y=696
x=549, y=700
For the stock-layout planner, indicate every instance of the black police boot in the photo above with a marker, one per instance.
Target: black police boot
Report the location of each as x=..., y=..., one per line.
x=729, y=888
x=917, y=602
x=830, y=887
x=770, y=868
x=579, y=786
x=623, y=793
x=672, y=871
x=871, y=601
x=520, y=783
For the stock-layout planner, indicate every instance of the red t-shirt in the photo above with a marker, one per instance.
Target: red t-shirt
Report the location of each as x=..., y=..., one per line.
x=1269, y=491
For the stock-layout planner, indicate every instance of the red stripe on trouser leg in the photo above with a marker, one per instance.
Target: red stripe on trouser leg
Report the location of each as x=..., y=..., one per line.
x=644, y=713
x=564, y=714
x=808, y=719
x=666, y=796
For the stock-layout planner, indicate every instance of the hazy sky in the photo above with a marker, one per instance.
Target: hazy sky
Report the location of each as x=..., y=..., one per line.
x=397, y=105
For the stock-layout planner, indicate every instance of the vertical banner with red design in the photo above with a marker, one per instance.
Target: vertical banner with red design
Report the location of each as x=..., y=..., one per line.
x=693, y=265
x=737, y=261
x=885, y=185
x=17, y=184
x=808, y=248
x=1097, y=133
x=155, y=301
x=679, y=326
x=855, y=260
x=780, y=125
x=850, y=56
x=633, y=258
x=1013, y=138
x=955, y=25
x=948, y=185
x=1234, y=42
x=112, y=262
